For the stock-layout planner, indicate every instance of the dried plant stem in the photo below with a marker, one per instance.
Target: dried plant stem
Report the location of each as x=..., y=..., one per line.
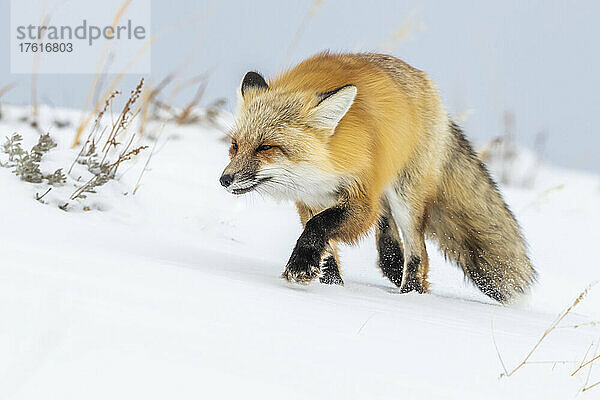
x=590, y=387
x=587, y=378
x=301, y=28
x=94, y=85
x=137, y=184
x=498, y=351
x=45, y=20
x=408, y=26
x=108, y=173
x=38, y=197
x=575, y=326
x=365, y=323
x=587, y=363
x=83, y=124
x=6, y=88
x=552, y=362
x=185, y=113
x=87, y=117
x=549, y=330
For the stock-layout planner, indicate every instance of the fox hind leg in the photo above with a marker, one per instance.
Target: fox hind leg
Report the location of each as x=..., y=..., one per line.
x=410, y=215
x=389, y=245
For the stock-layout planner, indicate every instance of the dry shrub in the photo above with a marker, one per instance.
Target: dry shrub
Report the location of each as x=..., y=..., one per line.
x=103, y=156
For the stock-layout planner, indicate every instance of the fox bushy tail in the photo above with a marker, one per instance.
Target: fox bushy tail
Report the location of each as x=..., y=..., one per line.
x=475, y=228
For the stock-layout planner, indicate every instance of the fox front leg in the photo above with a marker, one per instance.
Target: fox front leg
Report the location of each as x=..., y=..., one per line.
x=345, y=222
x=304, y=263
x=330, y=264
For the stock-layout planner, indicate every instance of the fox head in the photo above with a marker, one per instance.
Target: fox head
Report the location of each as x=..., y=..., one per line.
x=279, y=143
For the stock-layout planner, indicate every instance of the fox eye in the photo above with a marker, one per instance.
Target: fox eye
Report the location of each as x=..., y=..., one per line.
x=264, y=147
x=234, y=146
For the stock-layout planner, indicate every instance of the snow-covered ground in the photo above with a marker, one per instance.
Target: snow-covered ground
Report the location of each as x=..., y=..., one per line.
x=174, y=292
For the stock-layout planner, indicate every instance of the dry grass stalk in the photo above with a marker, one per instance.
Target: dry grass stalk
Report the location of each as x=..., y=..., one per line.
x=188, y=83
x=106, y=174
x=45, y=20
x=101, y=63
x=575, y=326
x=206, y=16
x=137, y=184
x=90, y=143
x=86, y=117
x=408, y=26
x=587, y=378
x=3, y=91
x=585, y=364
x=187, y=110
x=102, y=169
x=301, y=28
x=186, y=115
x=39, y=198
x=485, y=154
x=124, y=117
x=7, y=88
x=148, y=99
x=585, y=389
x=549, y=330
x=85, y=120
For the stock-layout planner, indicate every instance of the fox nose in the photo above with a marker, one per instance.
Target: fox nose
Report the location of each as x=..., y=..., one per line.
x=226, y=180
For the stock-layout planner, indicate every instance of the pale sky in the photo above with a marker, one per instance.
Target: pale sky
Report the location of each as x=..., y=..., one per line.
x=538, y=59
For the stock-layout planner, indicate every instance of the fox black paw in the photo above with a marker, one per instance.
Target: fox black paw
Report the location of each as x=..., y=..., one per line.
x=303, y=265
x=413, y=285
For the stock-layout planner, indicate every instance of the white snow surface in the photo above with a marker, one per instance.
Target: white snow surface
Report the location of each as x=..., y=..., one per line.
x=174, y=292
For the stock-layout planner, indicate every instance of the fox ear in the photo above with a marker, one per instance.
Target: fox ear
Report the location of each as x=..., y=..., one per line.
x=332, y=107
x=253, y=80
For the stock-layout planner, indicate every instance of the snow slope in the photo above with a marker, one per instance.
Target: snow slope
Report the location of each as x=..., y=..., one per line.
x=175, y=293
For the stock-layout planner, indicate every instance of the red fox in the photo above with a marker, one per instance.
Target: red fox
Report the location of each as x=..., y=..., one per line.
x=363, y=140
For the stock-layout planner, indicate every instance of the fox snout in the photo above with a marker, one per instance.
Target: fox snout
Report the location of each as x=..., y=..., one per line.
x=234, y=180
x=239, y=178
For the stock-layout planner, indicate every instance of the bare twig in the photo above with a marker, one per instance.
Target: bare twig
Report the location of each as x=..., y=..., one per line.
x=84, y=121
x=185, y=113
x=549, y=330
x=365, y=324
x=137, y=184
x=590, y=387
x=124, y=117
x=585, y=355
x=38, y=197
x=94, y=86
x=408, y=26
x=587, y=378
x=587, y=363
x=3, y=91
x=553, y=362
x=6, y=88
x=575, y=326
x=301, y=28
x=498, y=351
x=91, y=140
x=45, y=20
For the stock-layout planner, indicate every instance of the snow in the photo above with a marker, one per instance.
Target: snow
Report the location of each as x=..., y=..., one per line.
x=175, y=292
